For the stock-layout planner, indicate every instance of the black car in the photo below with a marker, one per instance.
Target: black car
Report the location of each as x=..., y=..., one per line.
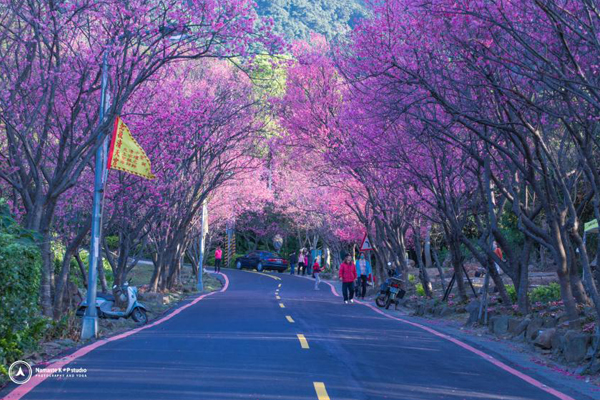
x=262, y=260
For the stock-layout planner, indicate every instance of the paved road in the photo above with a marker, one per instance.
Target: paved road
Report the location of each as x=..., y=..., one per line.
x=242, y=344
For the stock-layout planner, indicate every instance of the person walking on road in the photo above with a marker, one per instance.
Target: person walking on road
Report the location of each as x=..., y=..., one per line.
x=301, y=264
x=316, y=268
x=348, y=276
x=305, y=262
x=302, y=260
x=218, y=257
x=363, y=270
x=293, y=261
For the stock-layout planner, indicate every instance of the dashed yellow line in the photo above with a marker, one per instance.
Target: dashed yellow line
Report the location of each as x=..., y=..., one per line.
x=280, y=283
x=278, y=297
x=263, y=274
x=281, y=305
x=303, y=341
x=321, y=391
x=290, y=320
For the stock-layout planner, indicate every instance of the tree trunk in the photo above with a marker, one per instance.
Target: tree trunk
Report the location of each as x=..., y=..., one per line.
x=422, y=270
x=591, y=285
x=560, y=258
x=62, y=283
x=102, y=275
x=47, y=279
x=438, y=265
x=522, y=285
x=158, y=265
x=457, y=263
x=574, y=278
x=81, y=268
x=427, y=247
x=499, y=283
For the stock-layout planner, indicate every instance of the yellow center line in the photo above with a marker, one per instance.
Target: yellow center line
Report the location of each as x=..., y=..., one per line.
x=281, y=305
x=278, y=298
x=321, y=391
x=280, y=283
x=303, y=341
x=290, y=320
x=260, y=273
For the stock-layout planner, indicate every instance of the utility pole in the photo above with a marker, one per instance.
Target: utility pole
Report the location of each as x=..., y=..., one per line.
x=90, y=320
x=230, y=229
x=203, y=232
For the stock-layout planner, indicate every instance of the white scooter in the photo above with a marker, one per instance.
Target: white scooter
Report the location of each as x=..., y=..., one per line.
x=105, y=305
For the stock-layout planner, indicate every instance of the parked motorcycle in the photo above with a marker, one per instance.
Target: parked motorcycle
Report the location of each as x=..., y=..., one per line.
x=105, y=305
x=391, y=290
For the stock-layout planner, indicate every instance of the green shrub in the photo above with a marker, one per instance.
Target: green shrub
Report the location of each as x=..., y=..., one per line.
x=108, y=272
x=20, y=268
x=68, y=326
x=541, y=294
x=420, y=290
x=412, y=279
x=112, y=242
x=545, y=294
x=512, y=293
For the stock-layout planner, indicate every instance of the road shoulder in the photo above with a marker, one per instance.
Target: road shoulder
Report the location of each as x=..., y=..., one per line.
x=506, y=352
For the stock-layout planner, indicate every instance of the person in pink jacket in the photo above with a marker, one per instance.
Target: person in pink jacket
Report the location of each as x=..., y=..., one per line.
x=218, y=257
x=348, y=276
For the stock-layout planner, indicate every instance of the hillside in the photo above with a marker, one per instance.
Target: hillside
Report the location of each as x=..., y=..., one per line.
x=296, y=19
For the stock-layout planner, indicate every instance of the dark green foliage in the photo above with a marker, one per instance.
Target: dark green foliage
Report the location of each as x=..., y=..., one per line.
x=20, y=266
x=545, y=294
x=296, y=19
x=508, y=224
x=541, y=294
x=112, y=242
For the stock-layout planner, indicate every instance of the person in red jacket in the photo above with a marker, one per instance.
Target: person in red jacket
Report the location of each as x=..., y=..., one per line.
x=348, y=276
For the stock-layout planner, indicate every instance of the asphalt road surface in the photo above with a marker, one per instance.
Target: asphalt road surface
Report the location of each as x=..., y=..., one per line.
x=274, y=337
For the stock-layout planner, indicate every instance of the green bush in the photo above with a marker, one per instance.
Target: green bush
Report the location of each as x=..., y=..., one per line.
x=541, y=294
x=411, y=278
x=20, y=268
x=545, y=294
x=512, y=293
x=108, y=272
x=420, y=290
x=112, y=242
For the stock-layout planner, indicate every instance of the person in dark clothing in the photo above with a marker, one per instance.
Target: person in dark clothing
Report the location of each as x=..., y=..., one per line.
x=293, y=261
x=305, y=263
x=363, y=270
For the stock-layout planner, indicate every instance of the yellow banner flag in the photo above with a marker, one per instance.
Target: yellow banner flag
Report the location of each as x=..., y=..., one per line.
x=125, y=154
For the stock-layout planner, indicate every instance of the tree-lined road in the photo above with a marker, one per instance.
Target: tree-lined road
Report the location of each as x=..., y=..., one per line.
x=244, y=343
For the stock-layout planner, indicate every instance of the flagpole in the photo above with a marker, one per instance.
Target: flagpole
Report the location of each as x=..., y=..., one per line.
x=90, y=320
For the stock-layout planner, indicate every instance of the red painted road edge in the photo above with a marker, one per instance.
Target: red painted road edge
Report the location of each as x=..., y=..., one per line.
x=35, y=380
x=465, y=346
